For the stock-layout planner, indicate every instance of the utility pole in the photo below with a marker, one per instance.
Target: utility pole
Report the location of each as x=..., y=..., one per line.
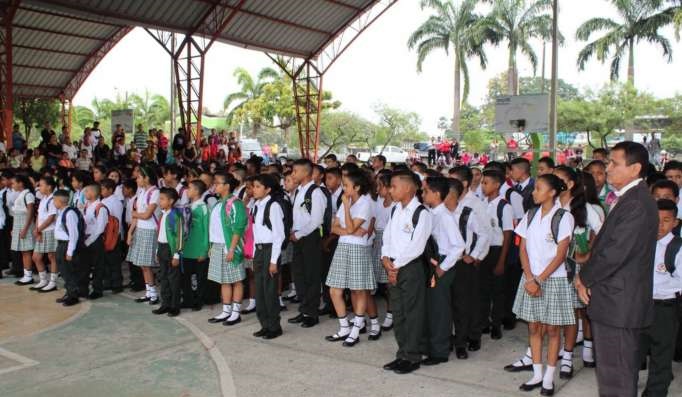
x=555, y=85
x=544, y=53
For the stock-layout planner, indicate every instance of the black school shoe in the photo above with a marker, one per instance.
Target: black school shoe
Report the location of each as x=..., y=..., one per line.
x=173, y=312
x=531, y=387
x=474, y=345
x=374, y=337
x=296, y=320
x=95, y=295
x=309, y=322
x=406, y=367
x=429, y=361
x=161, y=310
x=70, y=301
x=393, y=364
x=461, y=353
x=260, y=333
x=496, y=332
x=272, y=334
x=547, y=392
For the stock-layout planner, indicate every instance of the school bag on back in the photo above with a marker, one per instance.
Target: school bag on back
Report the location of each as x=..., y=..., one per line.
x=288, y=211
x=430, y=249
x=555, y=223
x=327, y=218
x=248, y=241
x=80, y=223
x=111, y=231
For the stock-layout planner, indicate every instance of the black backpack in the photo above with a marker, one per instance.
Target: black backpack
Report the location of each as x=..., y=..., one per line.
x=463, y=221
x=671, y=253
x=556, y=221
x=288, y=211
x=327, y=218
x=430, y=249
x=500, y=212
x=81, y=225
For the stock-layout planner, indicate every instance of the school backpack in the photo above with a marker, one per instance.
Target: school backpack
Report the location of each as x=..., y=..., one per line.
x=111, y=231
x=463, y=221
x=430, y=249
x=556, y=221
x=500, y=212
x=288, y=211
x=671, y=253
x=327, y=218
x=248, y=241
x=80, y=222
x=208, y=198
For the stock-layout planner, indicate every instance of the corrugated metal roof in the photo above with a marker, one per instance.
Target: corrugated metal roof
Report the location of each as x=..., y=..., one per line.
x=56, y=42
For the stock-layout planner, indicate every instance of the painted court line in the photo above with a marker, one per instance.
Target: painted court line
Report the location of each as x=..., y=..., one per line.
x=24, y=361
x=227, y=387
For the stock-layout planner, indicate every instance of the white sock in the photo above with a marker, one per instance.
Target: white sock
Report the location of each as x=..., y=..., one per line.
x=344, y=327
x=43, y=280
x=388, y=321
x=588, y=353
x=581, y=336
x=525, y=360
x=52, y=283
x=147, y=287
x=537, y=375
x=548, y=379
x=251, y=305
x=236, y=312
x=358, y=323
x=566, y=362
x=152, y=292
x=227, y=310
x=28, y=276
x=374, y=327
x=561, y=352
x=53, y=277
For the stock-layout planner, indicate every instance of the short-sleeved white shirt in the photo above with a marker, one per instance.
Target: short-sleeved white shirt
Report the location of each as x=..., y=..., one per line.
x=23, y=199
x=381, y=213
x=143, y=200
x=361, y=209
x=45, y=209
x=540, y=242
x=497, y=230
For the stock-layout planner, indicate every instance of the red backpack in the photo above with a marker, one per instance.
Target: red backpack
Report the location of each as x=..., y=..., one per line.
x=111, y=231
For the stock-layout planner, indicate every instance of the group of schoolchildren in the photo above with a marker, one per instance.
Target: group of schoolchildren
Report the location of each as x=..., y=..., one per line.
x=456, y=253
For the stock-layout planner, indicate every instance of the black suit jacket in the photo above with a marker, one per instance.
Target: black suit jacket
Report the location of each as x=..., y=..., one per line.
x=620, y=270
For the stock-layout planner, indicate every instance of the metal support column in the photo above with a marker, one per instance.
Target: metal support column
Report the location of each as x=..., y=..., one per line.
x=6, y=78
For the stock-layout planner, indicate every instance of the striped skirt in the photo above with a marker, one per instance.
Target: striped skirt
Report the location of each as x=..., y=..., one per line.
x=220, y=270
x=22, y=244
x=379, y=272
x=352, y=268
x=47, y=244
x=553, y=307
x=142, y=251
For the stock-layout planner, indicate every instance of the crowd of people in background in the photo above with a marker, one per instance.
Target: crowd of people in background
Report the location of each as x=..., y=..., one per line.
x=447, y=258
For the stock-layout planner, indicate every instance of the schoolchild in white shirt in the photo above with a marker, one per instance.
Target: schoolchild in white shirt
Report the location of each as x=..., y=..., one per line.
x=290, y=187
x=23, y=240
x=67, y=235
x=44, y=235
x=112, y=264
x=543, y=298
x=93, y=260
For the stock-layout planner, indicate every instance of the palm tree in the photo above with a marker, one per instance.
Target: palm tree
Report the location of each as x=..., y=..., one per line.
x=517, y=22
x=250, y=89
x=152, y=110
x=640, y=20
x=452, y=28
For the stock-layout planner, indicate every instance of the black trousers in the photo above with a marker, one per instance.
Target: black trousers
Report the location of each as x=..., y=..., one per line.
x=617, y=356
x=439, y=314
x=408, y=303
x=193, y=292
x=512, y=277
x=92, y=261
x=112, y=267
x=491, y=289
x=267, y=308
x=659, y=339
x=169, y=277
x=466, y=302
x=67, y=269
x=306, y=271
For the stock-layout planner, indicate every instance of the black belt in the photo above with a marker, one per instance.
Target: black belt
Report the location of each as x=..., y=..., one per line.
x=667, y=302
x=261, y=246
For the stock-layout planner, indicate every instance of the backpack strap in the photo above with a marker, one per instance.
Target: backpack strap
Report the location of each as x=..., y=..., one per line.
x=415, y=218
x=531, y=214
x=266, y=214
x=500, y=212
x=671, y=254
x=556, y=222
x=339, y=200
x=308, y=198
x=463, y=221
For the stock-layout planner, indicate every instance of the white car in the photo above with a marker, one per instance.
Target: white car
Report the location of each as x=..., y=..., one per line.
x=250, y=146
x=393, y=154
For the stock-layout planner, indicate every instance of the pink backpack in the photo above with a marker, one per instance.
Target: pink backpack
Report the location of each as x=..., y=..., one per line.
x=248, y=241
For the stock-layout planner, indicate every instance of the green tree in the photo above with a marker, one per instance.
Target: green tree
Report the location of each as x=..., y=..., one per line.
x=241, y=105
x=452, y=28
x=395, y=128
x=32, y=112
x=341, y=129
x=639, y=20
x=150, y=110
x=517, y=22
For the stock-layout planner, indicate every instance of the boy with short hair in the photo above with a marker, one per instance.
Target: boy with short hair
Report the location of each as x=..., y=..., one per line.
x=96, y=217
x=67, y=236
x=112, y=263
x=195, y=254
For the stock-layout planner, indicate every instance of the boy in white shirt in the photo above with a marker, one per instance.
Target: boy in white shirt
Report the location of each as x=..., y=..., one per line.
x=113, y=258
x=96, y=216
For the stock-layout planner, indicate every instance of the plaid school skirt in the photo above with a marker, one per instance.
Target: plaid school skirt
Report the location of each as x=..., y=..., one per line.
x=220, y=270
x=47, y=243
x=553, y=307
x=22, y=244
x=352, y=268
x=379, y=272
x=577, y=303
x=142, y=251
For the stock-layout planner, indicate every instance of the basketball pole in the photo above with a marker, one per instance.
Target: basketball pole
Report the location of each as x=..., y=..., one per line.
x=555, y=85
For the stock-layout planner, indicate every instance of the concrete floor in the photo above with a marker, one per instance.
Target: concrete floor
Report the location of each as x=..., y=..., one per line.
x=114, y=347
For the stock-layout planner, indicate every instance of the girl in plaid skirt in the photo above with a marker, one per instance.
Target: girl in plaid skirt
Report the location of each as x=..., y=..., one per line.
x=588, y=218
x=22, y=228
x=44, y=235
x=227, y=224
x=543, y=298
x=142, y=235
x=351, y=266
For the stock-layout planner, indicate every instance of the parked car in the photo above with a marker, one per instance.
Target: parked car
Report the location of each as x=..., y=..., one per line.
x=393, y=154
x=422, y=149
x=250, y=146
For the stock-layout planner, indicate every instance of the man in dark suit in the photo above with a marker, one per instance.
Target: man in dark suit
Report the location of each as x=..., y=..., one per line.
x=617, y=281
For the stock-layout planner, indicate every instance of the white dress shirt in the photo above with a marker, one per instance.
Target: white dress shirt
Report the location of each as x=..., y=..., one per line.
x=21, y=201
x=95, y=221
x=306, y=223
x=474, y=226
x=516, y=201
x=69, y=234
x=144, y=199
x=46, y=209
x=361, y=209
x=403, y=242
x=163, y=239
x=335, y=199
x=381, y=213
x=450, y=242
x=11, y=198
x=261, y=233
x=497, y=230
x=666, y=285
x=540, y=242
x=480, y=210
x=215, y=225
x=183, y=198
